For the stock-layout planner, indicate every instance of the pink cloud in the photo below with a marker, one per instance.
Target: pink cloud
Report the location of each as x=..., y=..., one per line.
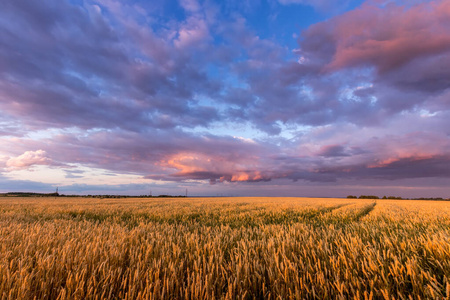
x=385, y=37
x=412, y=147
x=28, y=160
x=388, y=161
x=214, y=167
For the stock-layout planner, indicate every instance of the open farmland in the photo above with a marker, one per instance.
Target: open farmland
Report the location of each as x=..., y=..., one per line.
x=223, y=248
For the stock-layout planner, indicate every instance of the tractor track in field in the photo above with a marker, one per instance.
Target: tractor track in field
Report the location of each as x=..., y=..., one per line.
x=365, y=211
x=326, y=210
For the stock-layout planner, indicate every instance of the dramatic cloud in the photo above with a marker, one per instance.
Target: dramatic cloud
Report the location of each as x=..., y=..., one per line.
x=213, y=95
x=379, y=36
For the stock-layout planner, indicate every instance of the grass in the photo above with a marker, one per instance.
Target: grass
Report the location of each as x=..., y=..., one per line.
x=224, y=248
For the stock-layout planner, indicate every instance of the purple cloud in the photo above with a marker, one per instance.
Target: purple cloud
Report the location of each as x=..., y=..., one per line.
x=200, y=94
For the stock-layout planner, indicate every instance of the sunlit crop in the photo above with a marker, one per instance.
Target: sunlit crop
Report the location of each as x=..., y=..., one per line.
x=224, y=248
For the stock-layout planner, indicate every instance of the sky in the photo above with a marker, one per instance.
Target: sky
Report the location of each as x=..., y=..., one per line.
x=309, y=98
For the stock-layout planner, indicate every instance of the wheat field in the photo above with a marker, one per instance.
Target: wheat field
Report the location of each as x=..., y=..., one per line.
x=223, y=248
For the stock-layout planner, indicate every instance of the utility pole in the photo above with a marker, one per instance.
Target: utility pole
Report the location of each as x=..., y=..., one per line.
x=186, y=192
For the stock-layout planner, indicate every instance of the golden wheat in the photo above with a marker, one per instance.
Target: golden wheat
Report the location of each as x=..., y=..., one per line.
x=224, y=248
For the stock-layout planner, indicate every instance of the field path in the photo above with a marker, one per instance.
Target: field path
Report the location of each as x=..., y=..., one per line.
x=365, y=211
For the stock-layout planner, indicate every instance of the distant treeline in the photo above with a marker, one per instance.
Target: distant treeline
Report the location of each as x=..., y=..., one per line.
x=28, y=194
x=56, y=194
x=392, y=197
